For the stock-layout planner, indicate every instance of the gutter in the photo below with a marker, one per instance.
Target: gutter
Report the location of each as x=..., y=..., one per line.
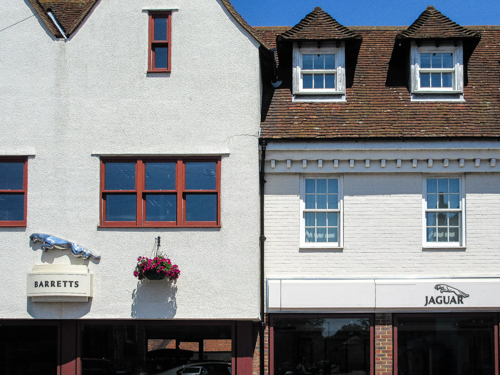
x=262, y=239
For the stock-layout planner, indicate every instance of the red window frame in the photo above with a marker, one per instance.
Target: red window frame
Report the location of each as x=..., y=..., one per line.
x=17, y=223
x=140, y=191
x=159, y=43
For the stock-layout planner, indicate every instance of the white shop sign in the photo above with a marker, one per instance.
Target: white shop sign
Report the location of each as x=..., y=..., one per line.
x=59, y=283
x=383, y=294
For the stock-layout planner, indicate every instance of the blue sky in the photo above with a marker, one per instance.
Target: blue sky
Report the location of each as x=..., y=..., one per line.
x=367, y=13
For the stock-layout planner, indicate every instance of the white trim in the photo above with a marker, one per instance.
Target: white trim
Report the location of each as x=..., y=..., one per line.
x=159, y=9
x=339, y=71
x=322, y=245
x=461, y=243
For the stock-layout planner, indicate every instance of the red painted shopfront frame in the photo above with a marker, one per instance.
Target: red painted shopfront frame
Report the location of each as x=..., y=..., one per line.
x=17, y=159
x=319, y=316
x=140, y=191
x=431, y=315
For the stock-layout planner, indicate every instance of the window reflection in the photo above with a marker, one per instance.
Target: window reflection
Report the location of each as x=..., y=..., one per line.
x=322, y=346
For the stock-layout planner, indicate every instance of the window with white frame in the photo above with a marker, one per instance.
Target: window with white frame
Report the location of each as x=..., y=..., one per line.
x=319, y=70
x=437, y=70
x=444, y=212
x=321, y=208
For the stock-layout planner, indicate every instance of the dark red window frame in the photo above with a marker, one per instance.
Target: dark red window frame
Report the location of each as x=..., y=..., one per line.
x=159, y=43
x=17, y=223
x=140, y=191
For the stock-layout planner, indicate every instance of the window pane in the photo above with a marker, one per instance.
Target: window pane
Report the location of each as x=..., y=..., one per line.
x=443, y=201
x=201, y=175
x=318, y=81
x=443, y=185
x=310, y=185
x=11, y=207
x=307, y=61
x=120, y=176
x=329, y=81
x=447, y=80
x=310, y=201
x=333, y=218
x=431, y=235
x=442, y=219
x=454, y=235
x=161, y=207
x=161, y=57
x=425, y=80
x=310, y=235
x=454, y=201
x=436, y=80
x=310, y=219
x=447, y=60
x=431, y=185
x=333, y=201
x=307, y=81
x=436, y=60
x=121, y=207
x=321, y=201
x=160, y=176
x=321, y=235
x=319, y=61
x=333, y=235
x=442, y=234
x=454, y=185
x=432, y=201
x=431, y=219
x=201, y=207
x=160, y=28
x=453, y=218
x=333, y=185
x=321, y=185
x=425, y=60
x=11, y=176
x=330, y=62
x=321, y=219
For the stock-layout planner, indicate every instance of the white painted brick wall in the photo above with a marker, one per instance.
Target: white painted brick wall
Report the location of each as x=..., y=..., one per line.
x=382, y=230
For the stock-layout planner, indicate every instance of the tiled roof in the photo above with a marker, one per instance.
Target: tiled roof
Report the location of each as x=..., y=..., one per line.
x=68, y=13
x=432, y=24
x=318, y=25
x=243, y=23
x=378, y=100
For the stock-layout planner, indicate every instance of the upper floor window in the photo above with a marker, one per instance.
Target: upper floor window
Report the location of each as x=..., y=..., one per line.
x=160, y=192
x=13, y=191
x=444, y=212
x=160, y=30
x=319, y=70
x=437, y=70
x=321, y=208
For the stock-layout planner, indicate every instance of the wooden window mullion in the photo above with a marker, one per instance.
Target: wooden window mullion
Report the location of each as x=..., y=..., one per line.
x=139, y=190
x=180, y=182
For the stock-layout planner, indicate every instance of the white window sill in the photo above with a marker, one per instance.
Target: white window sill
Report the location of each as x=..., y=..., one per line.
x=327, y=247
x=450, y=247
x=436, y=91
x=319, y=92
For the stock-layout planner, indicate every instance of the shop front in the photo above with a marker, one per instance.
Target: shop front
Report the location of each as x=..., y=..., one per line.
x=383, y=326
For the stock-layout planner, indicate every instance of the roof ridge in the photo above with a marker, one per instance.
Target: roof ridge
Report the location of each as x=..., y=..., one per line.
x=318, y=25
x=432, y=24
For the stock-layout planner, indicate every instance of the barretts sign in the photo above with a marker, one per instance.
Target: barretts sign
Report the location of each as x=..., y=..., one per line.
x=454, y=296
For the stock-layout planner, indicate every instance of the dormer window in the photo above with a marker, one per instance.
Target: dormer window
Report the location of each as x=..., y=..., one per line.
x=437, y=72
x=319, y=70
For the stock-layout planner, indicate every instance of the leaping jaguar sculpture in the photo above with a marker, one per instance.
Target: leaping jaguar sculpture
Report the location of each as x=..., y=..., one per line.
x=55, y=243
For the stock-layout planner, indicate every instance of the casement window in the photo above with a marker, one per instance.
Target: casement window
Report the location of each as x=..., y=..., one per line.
x=160, y=36
x=160, y=192
x=321, y=212
x=13, y=191
x=444, y=212
x=319, y=70
x=437, y=70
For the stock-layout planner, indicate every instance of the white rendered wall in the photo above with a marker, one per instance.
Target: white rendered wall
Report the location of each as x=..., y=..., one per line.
x=65, y=103
x=382, y=230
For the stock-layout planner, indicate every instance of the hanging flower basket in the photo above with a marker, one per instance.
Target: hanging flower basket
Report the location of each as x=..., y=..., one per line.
x=156, y=268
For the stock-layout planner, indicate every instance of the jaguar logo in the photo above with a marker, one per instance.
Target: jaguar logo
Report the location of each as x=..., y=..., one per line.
x=456, y=299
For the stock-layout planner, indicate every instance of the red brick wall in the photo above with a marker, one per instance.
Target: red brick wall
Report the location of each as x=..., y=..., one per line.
x=383, y=344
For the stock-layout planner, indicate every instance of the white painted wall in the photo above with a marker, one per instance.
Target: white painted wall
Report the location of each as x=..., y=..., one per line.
x=67, y=102
x=382, y=229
